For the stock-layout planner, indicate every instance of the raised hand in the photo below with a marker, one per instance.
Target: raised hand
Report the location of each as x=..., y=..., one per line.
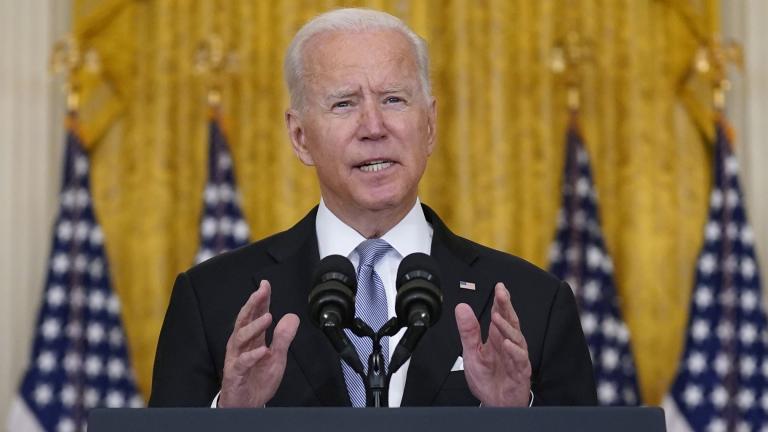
x=252, y=370
x=498, y=371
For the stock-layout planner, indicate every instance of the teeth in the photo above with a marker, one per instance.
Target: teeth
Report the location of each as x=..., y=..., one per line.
x=375, y=166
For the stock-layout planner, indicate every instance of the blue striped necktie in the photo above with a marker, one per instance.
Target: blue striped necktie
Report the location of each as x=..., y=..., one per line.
x=371, y=307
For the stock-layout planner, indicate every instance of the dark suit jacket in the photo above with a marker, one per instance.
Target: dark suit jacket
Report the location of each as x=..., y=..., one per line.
x=206, y=300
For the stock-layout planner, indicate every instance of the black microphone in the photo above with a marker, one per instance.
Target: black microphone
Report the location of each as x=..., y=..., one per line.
x=332, y=305
x=418, y=304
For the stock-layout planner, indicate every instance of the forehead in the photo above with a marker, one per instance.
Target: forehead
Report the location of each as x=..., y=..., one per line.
x=377, y=57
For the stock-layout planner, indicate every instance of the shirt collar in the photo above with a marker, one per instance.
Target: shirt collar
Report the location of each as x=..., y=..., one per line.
x=412, y=234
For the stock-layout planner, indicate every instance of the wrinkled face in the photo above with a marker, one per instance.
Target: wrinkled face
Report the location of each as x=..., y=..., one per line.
x=366, y=124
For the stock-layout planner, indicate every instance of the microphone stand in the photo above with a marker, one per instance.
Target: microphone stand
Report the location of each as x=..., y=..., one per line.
x=377, y=380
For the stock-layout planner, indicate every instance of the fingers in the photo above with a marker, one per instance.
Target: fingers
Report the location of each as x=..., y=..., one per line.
x=256, y=306
x=469, y=329
x=520, y=365
x=284, y=333
x=252, y=334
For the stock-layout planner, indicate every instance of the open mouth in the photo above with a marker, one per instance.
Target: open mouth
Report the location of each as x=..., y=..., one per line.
x=375, y=166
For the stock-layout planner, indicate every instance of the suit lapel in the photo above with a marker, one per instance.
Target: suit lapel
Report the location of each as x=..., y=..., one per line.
x=438, y=350
x=297, y=256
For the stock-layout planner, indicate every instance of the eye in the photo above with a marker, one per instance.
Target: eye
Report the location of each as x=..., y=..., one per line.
x=342, y=104
x=393, y=99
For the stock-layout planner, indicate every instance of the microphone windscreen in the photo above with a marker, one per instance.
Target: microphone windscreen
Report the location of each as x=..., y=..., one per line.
x=425, y=266
x=336, y=267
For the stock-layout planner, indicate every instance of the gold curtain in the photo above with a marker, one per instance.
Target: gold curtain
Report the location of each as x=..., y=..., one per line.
x=495, y=176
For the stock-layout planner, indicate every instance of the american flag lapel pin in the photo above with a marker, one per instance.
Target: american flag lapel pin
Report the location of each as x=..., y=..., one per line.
x=467, y=285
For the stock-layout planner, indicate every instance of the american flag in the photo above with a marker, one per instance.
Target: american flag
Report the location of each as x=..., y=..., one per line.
x=222, y=226
x=79, y=358
x=722, y=379
x=579, y=256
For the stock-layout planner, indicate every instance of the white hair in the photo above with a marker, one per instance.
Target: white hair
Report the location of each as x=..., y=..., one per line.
x=349, y=20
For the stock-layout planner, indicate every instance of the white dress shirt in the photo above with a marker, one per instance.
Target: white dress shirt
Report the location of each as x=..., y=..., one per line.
x=412, y=234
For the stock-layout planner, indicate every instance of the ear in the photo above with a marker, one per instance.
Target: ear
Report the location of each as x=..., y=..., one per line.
x=298, y=138
x=431, y=125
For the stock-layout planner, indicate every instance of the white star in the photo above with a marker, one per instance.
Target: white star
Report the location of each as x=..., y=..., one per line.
x=66, y=425
x=97, y=236
x=747, y=366
x=82, y=231
x=607, y=264
x=594, y=257
x=225, y=226
x=60, y=263
x=55, y=296
x=749, y=300
x=622, y=333
x=609, y=359
x=72, y=362
x=115, y=368
x=692, y=396
x=74, y=330
x=697, y=363
x=81, y=198
x=745, y=399
x=728, y=298
x=582, y=187
x=211, y=195
x=748, y=268
x=609, y=327
x=731, y=263
x=582, y=157
x=712, y=231
x=606, y=392
x=725, y=331
x=81, y=166
x=703, y=296
x=50, y=329
x=208, y=227
x=579, y=219
x=64, y=230
x=240, y=231
x=731, y=165
x=743, y=427
x=716, y=198
x=719, y=397
x=95, y=333
x=225, y=162
x=722, y=364
x=113, y=305
x=764, y=401
x=68, y=198
x=204, y=255
x=764, y=368
x=91, y=397
x=572, y=255
x=115, y=399
x=136, y=402
x=747, y=235
x=96, y=269
x=46, y=361
x=226, y=194
x=700, y=330
x=707, y=264
x=96, y=300
x=732, y=231
x=731, y=198
x=68, y=395
x=588, y=323
x=77, y=297
x=43, y=395
x=748, y=334
x=81, y=263
x=630, y=398
x=591, y=291
x=717, y=425
x=93, y=366
x=115, y=337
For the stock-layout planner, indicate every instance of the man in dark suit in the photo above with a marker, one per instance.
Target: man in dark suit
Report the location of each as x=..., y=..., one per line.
x=362, y=114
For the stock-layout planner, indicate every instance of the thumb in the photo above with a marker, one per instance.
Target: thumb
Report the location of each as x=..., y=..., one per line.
x=469, y=329
x=284, y=333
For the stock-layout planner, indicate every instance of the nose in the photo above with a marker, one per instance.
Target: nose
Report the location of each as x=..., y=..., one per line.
x=372, y=127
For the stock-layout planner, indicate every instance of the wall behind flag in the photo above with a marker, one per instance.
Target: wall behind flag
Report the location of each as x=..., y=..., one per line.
x=495, y=175
x=31, y=136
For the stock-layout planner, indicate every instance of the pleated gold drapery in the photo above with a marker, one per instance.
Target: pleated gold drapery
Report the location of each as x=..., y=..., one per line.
x=495, y=176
